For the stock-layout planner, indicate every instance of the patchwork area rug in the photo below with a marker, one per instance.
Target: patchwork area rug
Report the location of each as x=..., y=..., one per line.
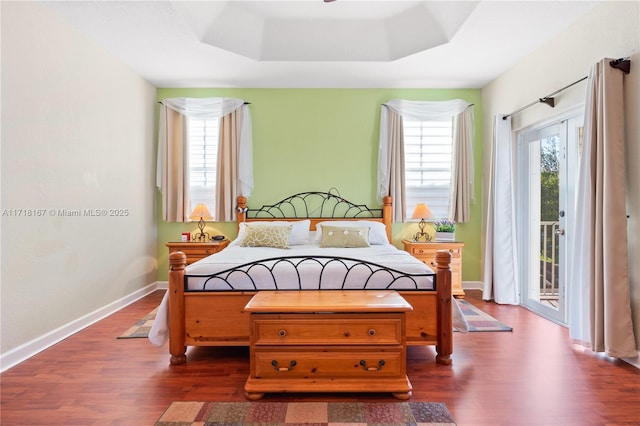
x=306, y=413
x=140, y=328
x=479, y=320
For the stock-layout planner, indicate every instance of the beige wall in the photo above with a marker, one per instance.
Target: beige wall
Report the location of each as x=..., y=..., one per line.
x=611, y=29
x=77, y=134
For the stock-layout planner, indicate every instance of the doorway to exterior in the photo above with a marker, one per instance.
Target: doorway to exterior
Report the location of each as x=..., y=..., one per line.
x=547, y=167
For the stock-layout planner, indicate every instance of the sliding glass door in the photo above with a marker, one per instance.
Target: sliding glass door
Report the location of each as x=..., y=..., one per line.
x=547, y=167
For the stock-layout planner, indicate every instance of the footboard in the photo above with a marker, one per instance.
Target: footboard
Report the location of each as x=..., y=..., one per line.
x=217, y=318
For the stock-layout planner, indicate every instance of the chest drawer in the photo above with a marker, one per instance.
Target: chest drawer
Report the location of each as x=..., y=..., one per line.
x=334, y=329
x=311, y=363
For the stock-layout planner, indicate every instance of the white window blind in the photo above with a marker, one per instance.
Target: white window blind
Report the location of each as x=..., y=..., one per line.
x=428, y=150
x=203, y=157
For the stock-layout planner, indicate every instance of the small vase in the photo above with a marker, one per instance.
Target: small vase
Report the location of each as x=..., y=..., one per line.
x=445, y=236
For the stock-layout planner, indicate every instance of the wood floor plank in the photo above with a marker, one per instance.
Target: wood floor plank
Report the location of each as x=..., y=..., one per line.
x=531, y=376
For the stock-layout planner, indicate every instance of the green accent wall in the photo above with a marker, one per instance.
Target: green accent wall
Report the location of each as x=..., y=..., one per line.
x=318, y=139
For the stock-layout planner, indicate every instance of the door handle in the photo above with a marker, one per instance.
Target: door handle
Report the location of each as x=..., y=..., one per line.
x=560, y=231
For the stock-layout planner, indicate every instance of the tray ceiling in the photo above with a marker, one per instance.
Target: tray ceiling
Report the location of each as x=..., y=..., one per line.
x=310, y=43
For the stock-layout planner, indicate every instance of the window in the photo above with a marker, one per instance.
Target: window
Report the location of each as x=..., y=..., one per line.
x=203, y=157
x=435, y=142
x=188, y=145
x=428, y=147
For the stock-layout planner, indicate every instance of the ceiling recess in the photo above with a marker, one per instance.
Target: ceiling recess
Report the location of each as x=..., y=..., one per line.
x=347, y=31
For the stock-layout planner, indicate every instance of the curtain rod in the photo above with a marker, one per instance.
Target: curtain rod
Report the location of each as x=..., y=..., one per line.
x=623, y=64
x=385, y=105
x=245, y=103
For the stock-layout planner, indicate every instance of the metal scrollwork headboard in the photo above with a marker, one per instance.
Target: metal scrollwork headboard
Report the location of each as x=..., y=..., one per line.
x=313, y=204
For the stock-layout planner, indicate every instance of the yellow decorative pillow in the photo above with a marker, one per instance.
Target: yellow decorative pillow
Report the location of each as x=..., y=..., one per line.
x=341, y=236
x=266, y=236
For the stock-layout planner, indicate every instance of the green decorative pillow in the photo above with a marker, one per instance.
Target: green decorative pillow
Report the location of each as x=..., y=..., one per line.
x=266, y=236
x=341, y=236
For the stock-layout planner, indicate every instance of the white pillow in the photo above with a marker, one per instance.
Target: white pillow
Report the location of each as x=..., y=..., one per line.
x=299, y=232
x=377, y=233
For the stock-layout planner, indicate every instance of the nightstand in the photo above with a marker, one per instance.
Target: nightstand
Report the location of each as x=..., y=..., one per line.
x=426, y=252
x=196, y=251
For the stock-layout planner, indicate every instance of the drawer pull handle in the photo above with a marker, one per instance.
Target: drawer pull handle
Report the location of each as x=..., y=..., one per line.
x=363, y=363
x=278, y=368
x=282, y=333
x=372, y=332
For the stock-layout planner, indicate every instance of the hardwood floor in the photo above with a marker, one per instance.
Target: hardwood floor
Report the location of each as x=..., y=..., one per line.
x=531, y=376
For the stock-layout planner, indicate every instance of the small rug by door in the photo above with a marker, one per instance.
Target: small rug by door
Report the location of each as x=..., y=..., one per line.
x=479, y=320
x=140, y=328
x=306, y=413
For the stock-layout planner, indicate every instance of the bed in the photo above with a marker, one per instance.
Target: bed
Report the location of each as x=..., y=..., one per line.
x=308, y=241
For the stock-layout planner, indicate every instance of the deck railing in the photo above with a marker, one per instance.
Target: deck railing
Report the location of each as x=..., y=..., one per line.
x=549, y=253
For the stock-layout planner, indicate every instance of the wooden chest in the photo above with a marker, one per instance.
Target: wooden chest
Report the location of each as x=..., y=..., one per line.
x=328, y=341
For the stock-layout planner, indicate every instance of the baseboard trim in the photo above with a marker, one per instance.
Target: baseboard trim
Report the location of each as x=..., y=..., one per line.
x=23, y=352
x=472, y=285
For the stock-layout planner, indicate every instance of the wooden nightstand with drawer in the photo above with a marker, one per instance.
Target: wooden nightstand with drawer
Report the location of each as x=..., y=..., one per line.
x=196, y=251
x=426, y=252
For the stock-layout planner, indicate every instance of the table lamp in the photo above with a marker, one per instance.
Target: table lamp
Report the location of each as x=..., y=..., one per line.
x=201, y=213
x=421, y=212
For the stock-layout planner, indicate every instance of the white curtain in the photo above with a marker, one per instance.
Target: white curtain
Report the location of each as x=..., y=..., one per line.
x=388, y=150
x=204, y=108
x=599, y=303
x=173, y=172
x=500, y=276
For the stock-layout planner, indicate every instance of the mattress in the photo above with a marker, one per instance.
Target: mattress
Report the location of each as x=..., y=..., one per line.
x=306, y=267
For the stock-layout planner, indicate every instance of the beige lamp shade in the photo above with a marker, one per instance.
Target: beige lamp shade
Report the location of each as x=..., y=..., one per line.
x=201, y=212
x=421, y=212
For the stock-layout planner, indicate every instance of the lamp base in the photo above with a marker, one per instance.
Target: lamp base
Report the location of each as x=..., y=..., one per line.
x=422, y=235
x=201, y=237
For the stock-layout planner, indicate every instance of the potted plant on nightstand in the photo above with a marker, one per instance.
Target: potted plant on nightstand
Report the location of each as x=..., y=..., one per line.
x=445, y=230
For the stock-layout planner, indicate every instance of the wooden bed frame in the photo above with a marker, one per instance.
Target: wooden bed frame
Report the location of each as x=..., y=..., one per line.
x=219, y=319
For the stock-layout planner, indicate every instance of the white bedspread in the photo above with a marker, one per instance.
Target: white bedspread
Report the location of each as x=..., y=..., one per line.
x=298, y=274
